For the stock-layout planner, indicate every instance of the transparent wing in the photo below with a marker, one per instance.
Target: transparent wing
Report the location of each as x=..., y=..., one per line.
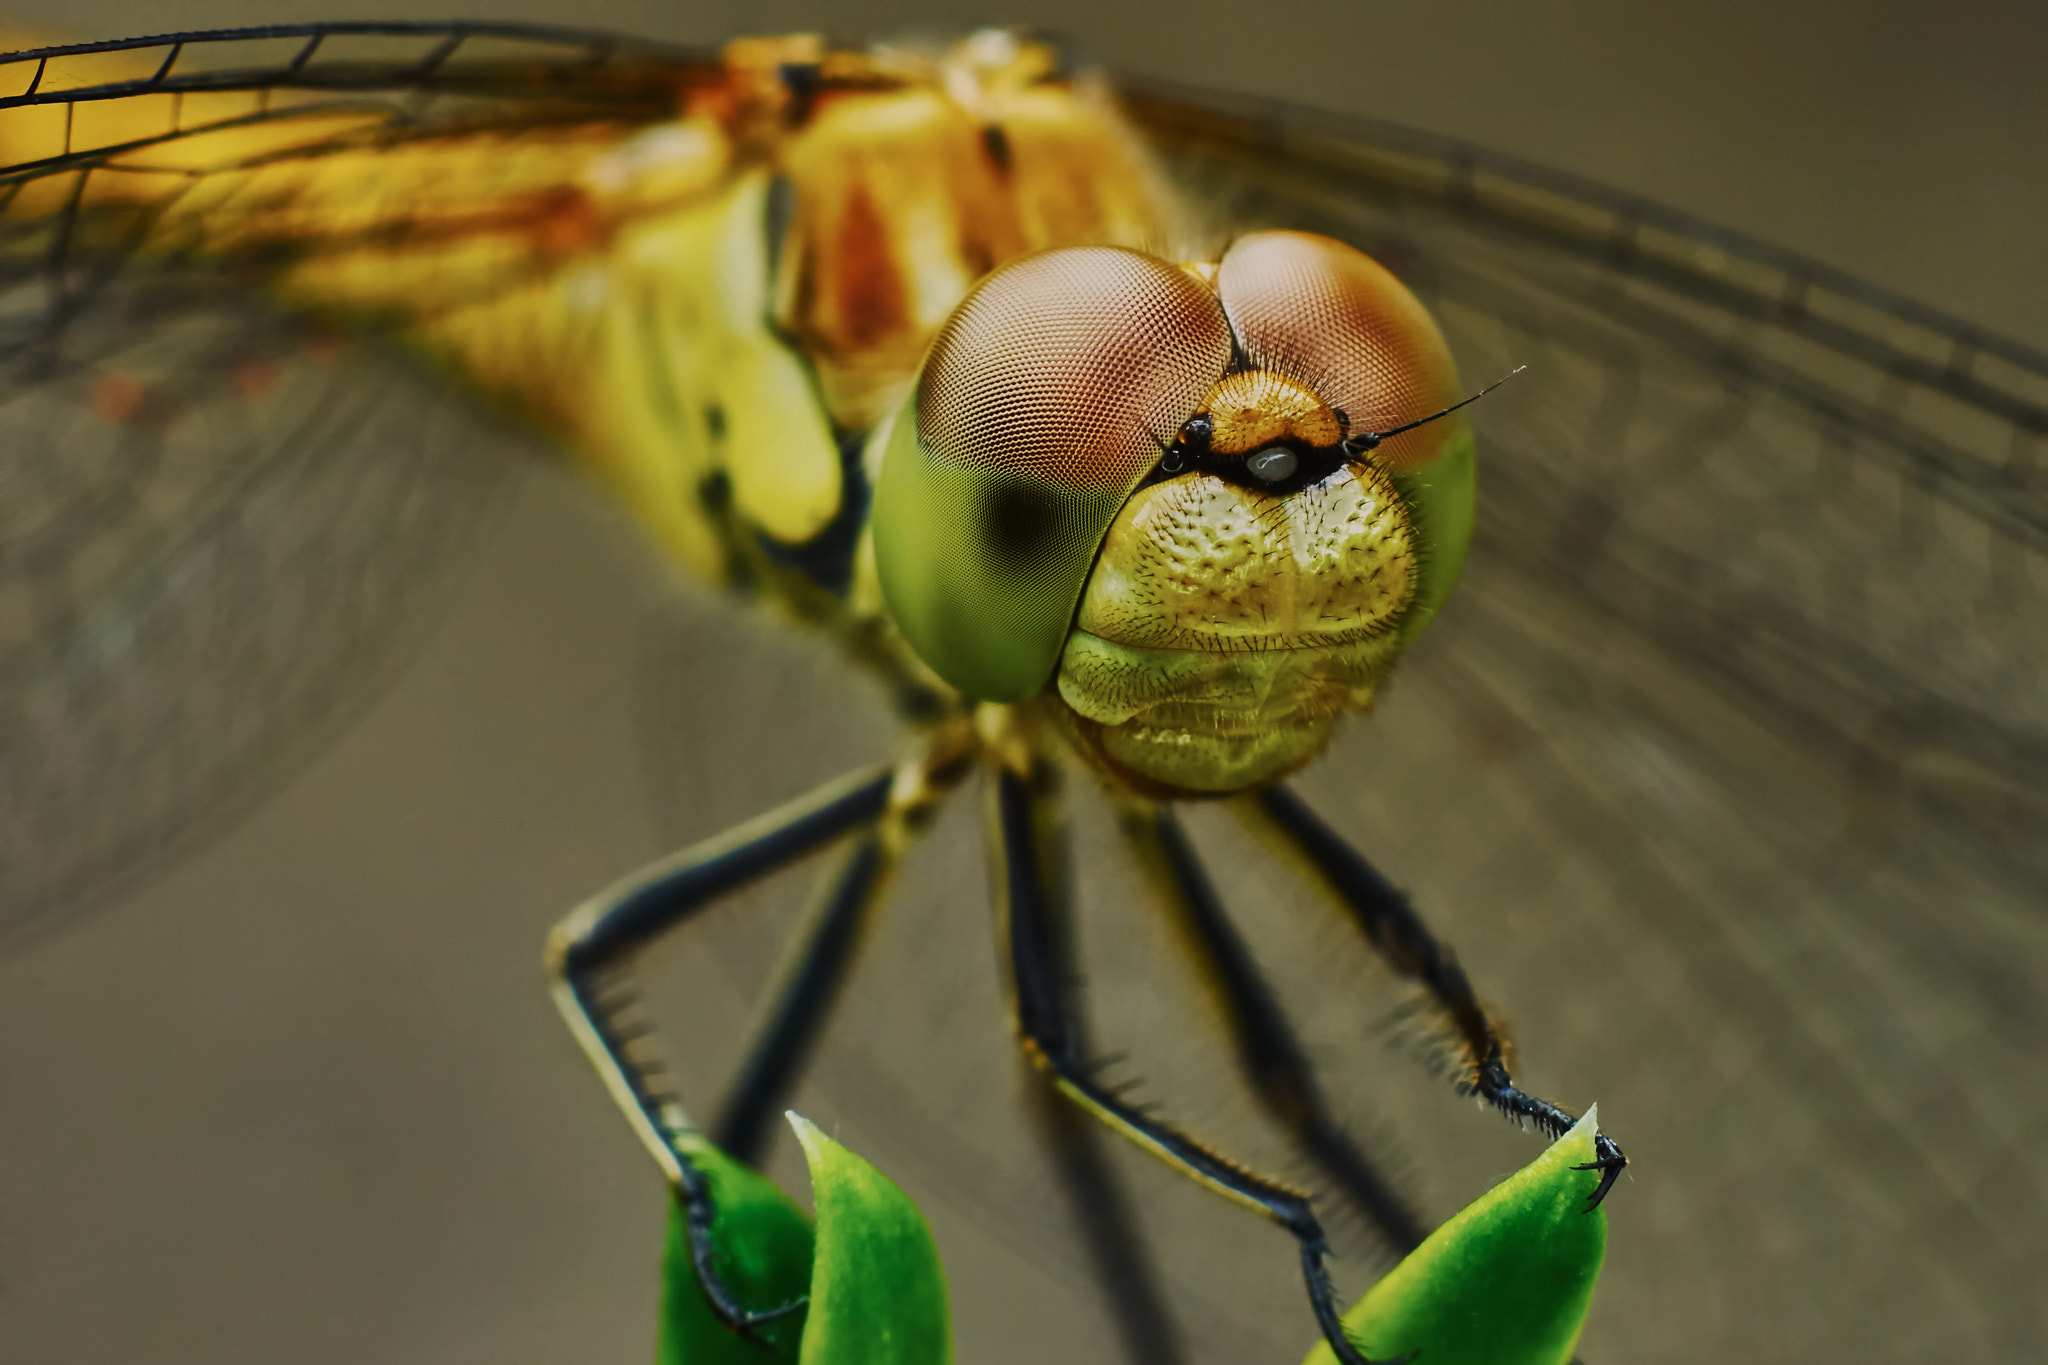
x=1726, y=773
x=218, y=525
x=220, y=518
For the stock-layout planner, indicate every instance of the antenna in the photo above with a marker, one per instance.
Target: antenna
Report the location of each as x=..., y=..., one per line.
x=1369, y=440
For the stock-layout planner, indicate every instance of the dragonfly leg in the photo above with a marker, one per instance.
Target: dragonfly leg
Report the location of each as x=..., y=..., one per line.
x=1097, y=1198
x=809, y=985
x=1391, y=925
x=597, y=941
x=1108, y=1226
x=1268, y=1051
x=1052, y=1042
x=781, y=1048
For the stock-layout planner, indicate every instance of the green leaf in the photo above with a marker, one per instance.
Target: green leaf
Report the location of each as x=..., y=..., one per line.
x=764, y=1255
x=878, y=1295
x=1505, y=1282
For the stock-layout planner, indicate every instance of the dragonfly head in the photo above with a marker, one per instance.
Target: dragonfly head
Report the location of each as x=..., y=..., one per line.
x=1157, y=491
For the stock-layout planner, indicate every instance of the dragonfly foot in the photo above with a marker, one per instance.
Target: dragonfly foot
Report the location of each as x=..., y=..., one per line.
x=754, y=1320
x=1609, y=1162
x=1493, y=1083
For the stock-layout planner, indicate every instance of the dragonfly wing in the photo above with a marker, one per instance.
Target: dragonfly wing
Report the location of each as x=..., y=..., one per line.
x=221, y=516
x=1727, y=769
x=221, y=523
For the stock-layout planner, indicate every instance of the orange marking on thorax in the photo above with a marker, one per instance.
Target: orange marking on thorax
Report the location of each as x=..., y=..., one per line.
x=871, y=305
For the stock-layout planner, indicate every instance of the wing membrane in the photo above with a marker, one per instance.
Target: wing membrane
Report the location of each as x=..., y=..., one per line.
x=220, y=524
x=280, y=139
x=219, y=507
x=1754, y=736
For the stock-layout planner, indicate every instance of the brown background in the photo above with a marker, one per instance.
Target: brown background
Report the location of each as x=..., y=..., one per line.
x=302, y=1097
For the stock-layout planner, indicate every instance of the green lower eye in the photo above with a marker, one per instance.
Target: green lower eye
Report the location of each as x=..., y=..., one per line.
x=980, y=571
x=1442, y=500
x=1030, y=425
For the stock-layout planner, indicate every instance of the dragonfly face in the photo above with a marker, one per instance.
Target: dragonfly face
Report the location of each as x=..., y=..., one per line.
x=1719, y=791
x=1264, y=576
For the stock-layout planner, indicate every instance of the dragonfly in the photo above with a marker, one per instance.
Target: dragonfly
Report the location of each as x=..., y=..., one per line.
x=1727, y=747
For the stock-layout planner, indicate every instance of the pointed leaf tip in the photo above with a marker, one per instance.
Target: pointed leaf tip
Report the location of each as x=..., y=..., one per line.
x=1507, y=1281
x=878, y=1294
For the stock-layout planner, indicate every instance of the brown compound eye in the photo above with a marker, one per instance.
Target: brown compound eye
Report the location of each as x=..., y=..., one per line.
x=1329, y=315
x=1044, y=400
x=1065, y=366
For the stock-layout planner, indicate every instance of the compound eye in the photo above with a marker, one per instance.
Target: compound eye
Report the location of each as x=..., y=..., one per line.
x=1068, y=366
x=1329, y=315
x=1044, y=400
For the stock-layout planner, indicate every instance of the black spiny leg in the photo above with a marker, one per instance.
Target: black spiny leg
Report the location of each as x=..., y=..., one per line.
x=1050, y=1040
x=1102, y=1209
x=1268, y=1052
x=599, y=939
x=1392, y=926
x=1096, y=1195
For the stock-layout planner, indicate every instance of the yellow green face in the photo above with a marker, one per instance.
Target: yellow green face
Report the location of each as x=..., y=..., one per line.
x=1154, y=490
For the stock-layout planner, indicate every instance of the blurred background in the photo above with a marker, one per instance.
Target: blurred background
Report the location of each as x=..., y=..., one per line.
x=302, y=1096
